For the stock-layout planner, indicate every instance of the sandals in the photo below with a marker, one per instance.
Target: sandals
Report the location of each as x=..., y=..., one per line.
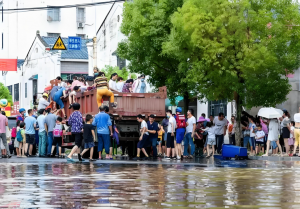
x=70, y=106
x=65, y=117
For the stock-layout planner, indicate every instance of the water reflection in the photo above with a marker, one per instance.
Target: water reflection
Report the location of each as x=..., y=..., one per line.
x=227, y=184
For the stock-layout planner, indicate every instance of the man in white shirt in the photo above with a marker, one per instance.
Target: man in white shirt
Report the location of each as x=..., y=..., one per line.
x=189, y=133
x=43, y=102
x=170, y=136
x=143, y=140
x=221, y=127
x=112, y=82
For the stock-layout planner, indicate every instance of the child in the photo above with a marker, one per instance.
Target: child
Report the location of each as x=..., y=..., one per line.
x=89, y=136
x=21, y=138
x=291, y=140
x=211, y=138
x=16, y=143
x=57, y=136
x=259, y=140
x=160, y=134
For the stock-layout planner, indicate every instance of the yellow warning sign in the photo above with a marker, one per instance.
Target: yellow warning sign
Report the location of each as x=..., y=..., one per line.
x=59, y=45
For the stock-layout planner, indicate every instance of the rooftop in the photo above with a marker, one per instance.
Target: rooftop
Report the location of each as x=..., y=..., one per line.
x=68, y=54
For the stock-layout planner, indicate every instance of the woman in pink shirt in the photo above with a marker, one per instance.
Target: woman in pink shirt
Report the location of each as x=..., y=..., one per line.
x=73, y=93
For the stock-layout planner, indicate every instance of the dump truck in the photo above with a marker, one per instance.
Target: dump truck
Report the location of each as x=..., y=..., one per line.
x=129, y=105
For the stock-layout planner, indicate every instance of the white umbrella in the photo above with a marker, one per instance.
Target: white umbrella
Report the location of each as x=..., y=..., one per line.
x=270, y=112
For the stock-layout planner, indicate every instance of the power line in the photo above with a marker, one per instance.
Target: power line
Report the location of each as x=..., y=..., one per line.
x=58, y=7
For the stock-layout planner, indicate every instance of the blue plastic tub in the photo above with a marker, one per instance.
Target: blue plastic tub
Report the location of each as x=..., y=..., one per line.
x=231, y=151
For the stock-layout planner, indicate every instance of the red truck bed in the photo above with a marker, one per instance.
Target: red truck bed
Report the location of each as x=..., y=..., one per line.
x=129, y=105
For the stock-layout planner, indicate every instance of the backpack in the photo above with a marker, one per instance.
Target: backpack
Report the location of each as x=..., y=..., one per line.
x=57, y=131
x=14, y=132
x=19, y=136
x=180, y=121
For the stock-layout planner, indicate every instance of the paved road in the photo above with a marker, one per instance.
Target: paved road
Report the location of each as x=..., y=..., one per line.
x=54, y=183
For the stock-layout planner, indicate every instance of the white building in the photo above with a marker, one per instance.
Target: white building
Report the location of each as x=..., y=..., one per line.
x=19, y=41
x=42, y=65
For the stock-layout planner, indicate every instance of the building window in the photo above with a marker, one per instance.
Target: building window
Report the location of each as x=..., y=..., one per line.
x=53, y=14
x=10, y=89
x=81, y=35
x=80, y=14
x=215, y=107
x=121, y=63
x=25, y=90
x=53, y=34
x=67, y=76
x=16, y=92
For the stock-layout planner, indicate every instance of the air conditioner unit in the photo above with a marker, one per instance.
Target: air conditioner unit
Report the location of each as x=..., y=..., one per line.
x=80, y=24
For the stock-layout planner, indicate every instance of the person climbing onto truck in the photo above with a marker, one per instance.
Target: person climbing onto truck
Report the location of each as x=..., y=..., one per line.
x=103, y=89
x=57, y=99
x=143, y=140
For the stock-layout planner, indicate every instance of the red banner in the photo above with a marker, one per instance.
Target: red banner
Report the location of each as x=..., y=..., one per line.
x=8, y=64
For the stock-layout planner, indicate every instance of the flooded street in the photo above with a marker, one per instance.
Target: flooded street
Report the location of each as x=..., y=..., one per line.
x=48, y=183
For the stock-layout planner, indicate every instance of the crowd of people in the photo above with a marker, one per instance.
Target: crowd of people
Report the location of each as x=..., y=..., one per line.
x=69, y=88
x=175, y=137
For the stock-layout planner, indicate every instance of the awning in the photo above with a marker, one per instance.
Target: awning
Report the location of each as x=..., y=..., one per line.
x=34, y=77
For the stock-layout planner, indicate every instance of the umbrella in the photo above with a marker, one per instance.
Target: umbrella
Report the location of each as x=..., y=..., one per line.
x=270, y=112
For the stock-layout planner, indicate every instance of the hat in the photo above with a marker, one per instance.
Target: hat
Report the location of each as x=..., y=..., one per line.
x=22, y=110
x=45, y=95
x=201, y=119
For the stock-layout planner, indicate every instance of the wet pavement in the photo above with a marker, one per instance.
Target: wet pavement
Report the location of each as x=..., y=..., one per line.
x=200, y=183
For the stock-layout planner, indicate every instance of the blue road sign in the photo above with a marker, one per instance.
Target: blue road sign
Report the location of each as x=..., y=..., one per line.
x=74, y=43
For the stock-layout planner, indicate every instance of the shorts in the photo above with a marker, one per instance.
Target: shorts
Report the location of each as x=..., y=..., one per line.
x=285, y=133
x=180, y=135
x=170, y=141
x=30, y=138
x=211, y=141
x=291, y=141
x=57, y=141
x=16, y=143
x=78, y=139
x=89, y=145
x=274, y=144
x=163, y=143
x=143, y=143
x=259, y=143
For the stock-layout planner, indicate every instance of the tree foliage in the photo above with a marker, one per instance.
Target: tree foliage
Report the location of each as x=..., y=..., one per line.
x=147, y=24
x=242, y=47
x=124, y=73
x=4, y=94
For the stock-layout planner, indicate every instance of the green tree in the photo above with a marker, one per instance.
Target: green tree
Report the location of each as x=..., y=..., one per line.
x=238, y=50
x=124, y=73
x=4, y=94
x=147, y=25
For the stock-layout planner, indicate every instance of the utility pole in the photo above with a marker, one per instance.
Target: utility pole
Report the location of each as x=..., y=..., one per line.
x=95, y=51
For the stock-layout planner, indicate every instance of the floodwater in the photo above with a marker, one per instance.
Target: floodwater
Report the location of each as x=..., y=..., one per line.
x=211, y=184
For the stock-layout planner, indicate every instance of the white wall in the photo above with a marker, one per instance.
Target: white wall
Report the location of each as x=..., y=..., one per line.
x=20, y=27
